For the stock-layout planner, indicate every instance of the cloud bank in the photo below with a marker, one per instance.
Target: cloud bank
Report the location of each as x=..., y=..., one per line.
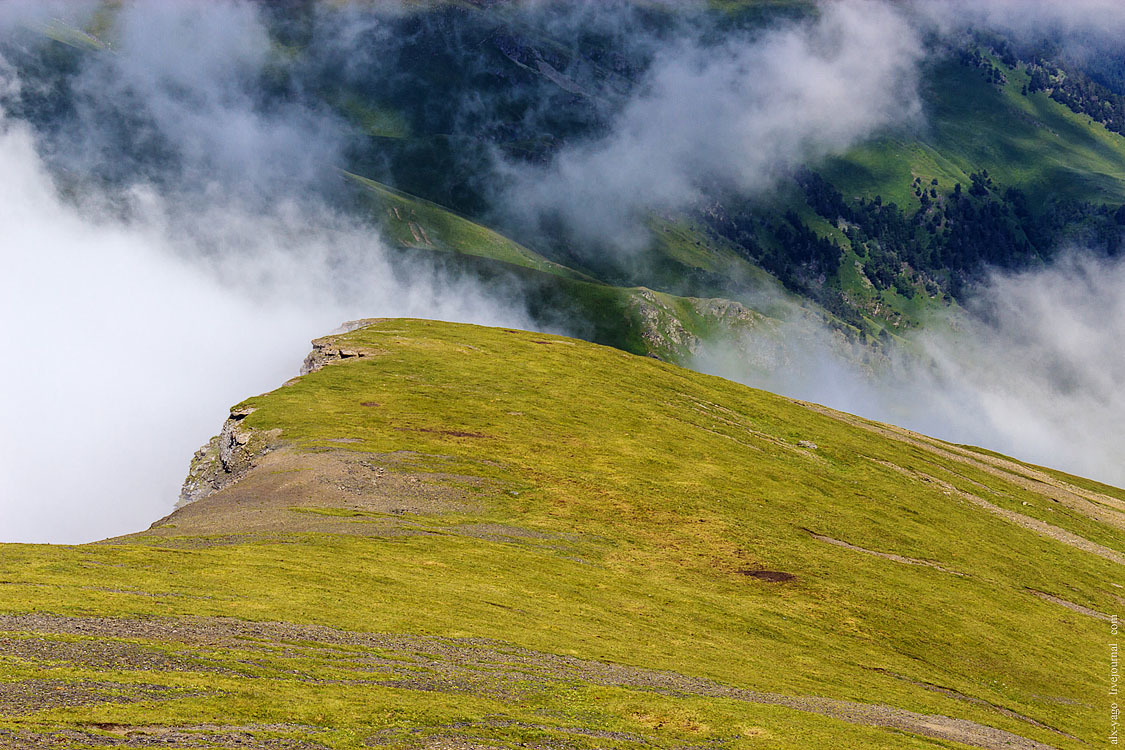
x=730, y=115
x=1040, y=366
x=1033, y=371
x=190, y=273
x=1075, y=21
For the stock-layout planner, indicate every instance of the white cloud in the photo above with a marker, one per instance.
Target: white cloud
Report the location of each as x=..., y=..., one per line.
x=127, y=341
x=731, y=115
x=1033, y=370
x=135, y=316
x=1071, y=22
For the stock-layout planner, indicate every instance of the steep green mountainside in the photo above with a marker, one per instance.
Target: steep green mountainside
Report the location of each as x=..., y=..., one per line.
x=1035, y=176
x=447, y=536
x=635, y=319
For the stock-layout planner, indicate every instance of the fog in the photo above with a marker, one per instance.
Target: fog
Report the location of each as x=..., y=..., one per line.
x=1075, y=22
x=1033, y=371
x=730, y=115
x=134, y=315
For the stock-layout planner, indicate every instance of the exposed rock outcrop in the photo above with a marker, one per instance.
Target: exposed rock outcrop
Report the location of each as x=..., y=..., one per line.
x=326, y=349
x=226, y=458
x=663, y=332
x=667, y=336
x=726, y=312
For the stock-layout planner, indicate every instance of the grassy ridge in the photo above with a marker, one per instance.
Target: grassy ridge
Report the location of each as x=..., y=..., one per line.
x=417, y=223
x=608, y=508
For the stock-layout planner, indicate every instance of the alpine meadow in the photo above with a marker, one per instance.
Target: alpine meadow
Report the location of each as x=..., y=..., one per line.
x=698, y=375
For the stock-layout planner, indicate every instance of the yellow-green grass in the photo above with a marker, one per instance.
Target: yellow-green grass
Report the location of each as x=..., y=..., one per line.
x=649, y=492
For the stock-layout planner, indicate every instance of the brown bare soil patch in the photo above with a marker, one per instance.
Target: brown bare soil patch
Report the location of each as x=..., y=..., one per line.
x=374, y=487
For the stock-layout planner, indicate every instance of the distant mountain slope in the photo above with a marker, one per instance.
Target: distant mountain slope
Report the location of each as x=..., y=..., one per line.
x=454, y=536
x=416, y=223
x=876, y=239
x=1064, y=167
x=896, y=242
x=635, y=319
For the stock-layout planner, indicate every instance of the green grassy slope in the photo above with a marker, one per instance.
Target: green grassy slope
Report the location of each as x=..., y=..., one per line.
x=473, y=537
x=633, y=318
x=1027, y=142
x=417, y=223
x=1030, y=142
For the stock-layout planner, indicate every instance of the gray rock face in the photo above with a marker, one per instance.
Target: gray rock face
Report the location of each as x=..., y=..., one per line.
x=225, y=458
x=663, y=332
x=326, y=350
x=228, y=456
